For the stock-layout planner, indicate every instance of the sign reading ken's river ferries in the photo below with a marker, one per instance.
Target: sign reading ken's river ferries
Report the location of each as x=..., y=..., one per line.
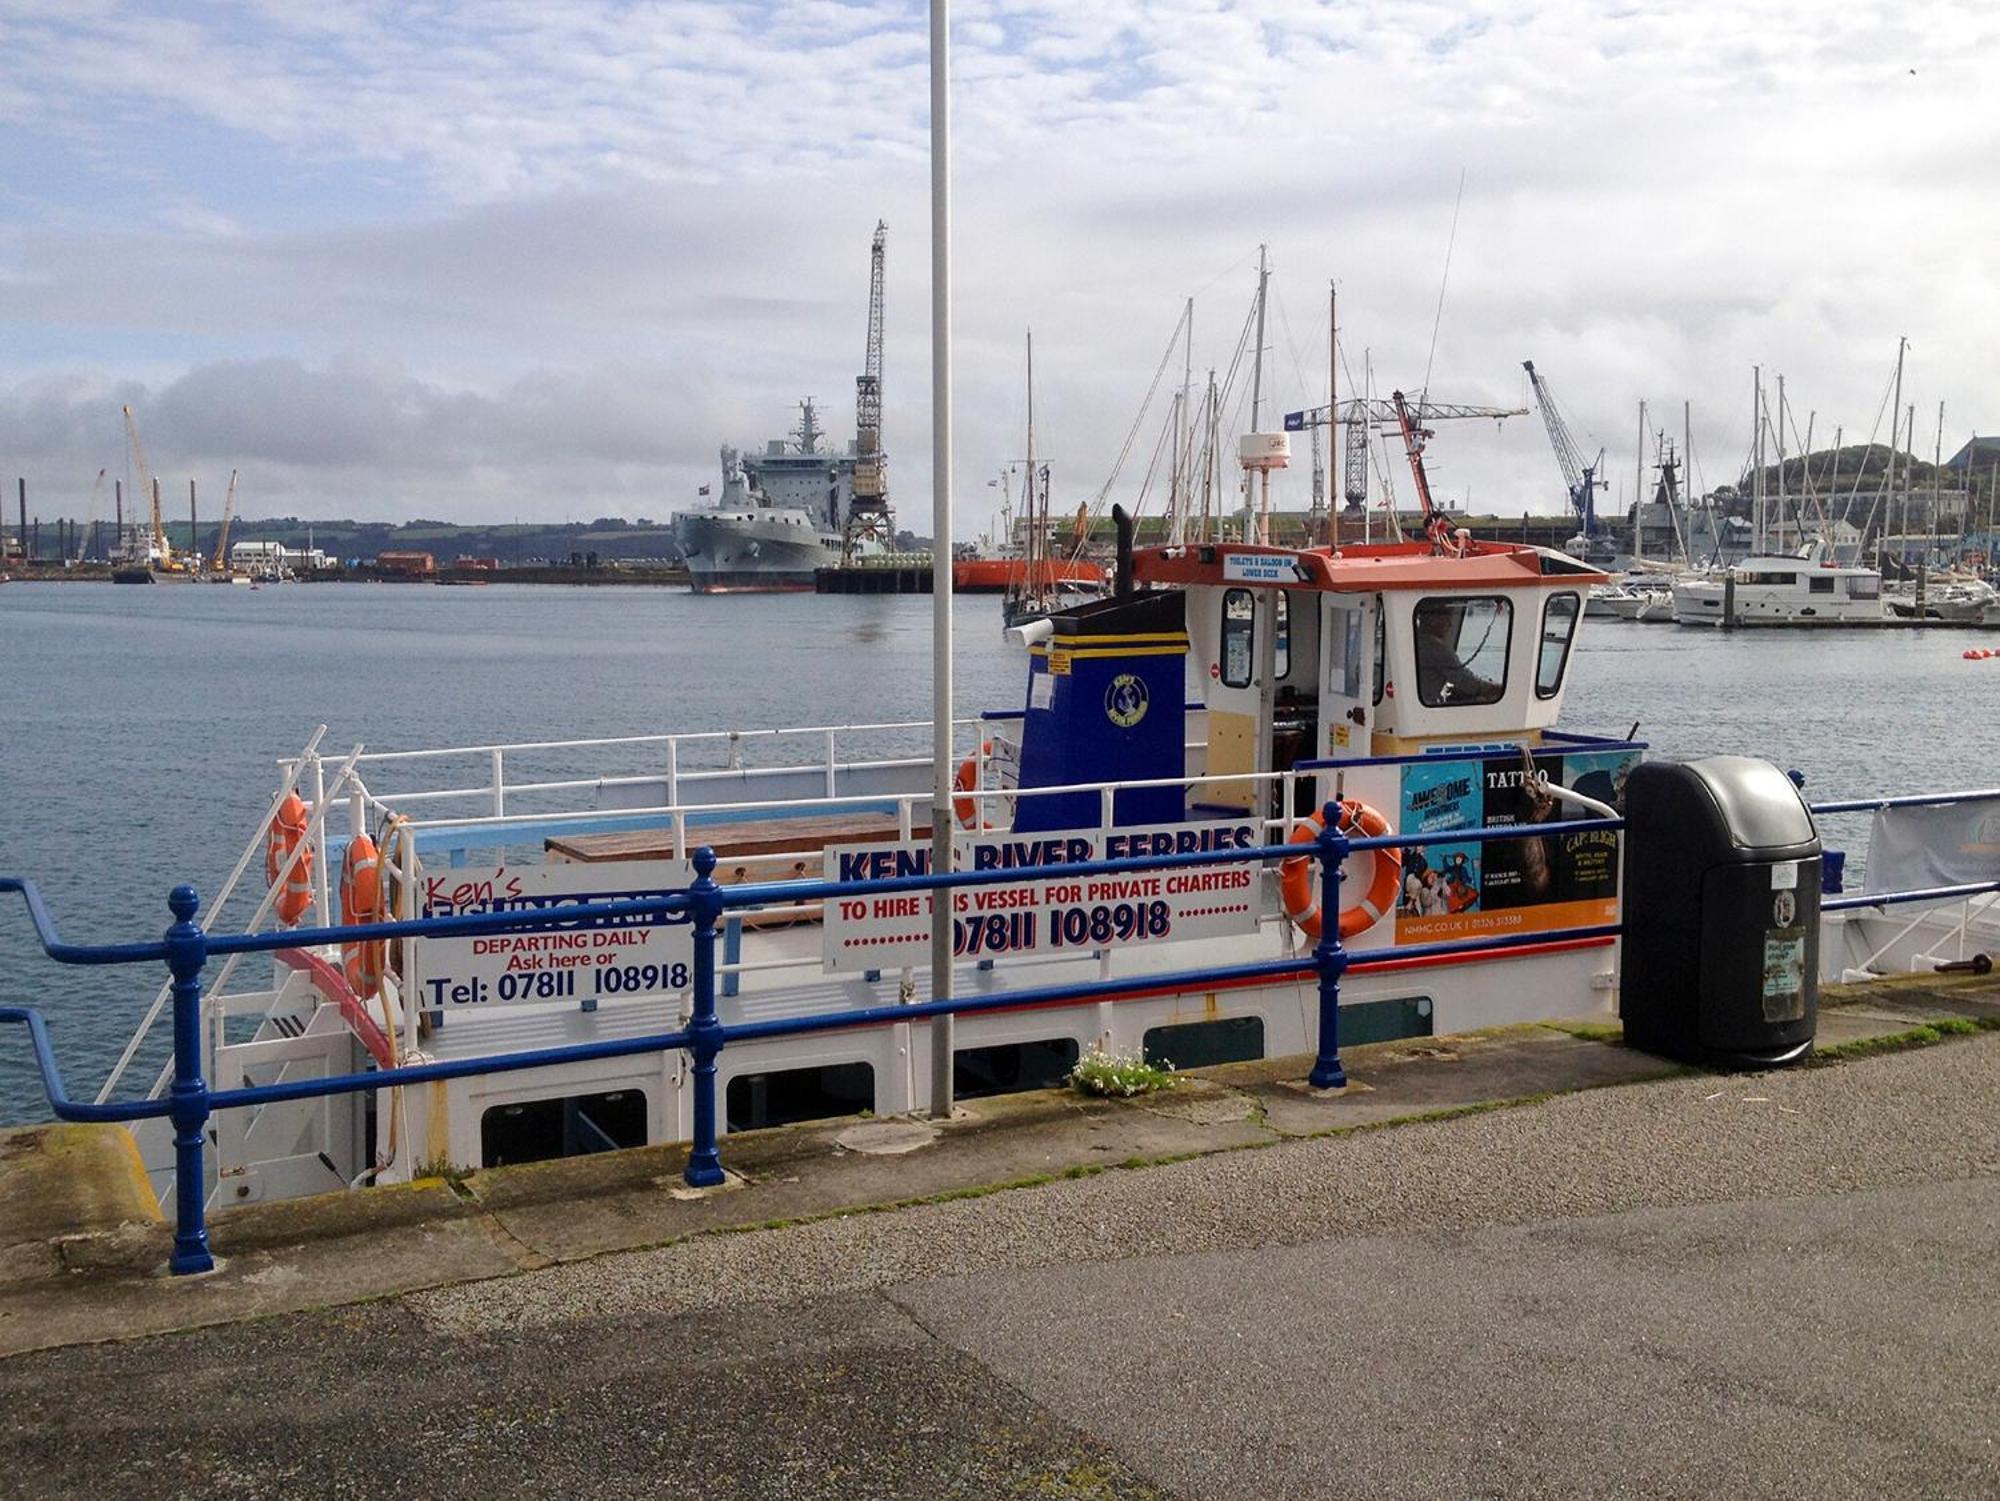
x=1044, y=912
x=579, y=963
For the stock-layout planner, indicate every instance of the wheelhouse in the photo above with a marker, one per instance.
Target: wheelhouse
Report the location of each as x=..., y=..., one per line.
x=1309, y=657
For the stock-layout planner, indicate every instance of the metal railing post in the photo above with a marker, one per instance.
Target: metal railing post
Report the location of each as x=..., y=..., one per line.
x=1330, y=955
x=187, y=952
x=704, y=1165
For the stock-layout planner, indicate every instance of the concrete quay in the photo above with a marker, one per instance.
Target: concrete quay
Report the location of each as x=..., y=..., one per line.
x=1776, y=1283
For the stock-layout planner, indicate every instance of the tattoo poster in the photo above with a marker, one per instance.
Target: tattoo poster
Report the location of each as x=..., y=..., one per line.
x=1536, y=883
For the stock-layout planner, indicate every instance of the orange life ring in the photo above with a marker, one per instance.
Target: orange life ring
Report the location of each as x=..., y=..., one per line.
x=287, y=833
x=967, y=780
x=1295, y=876
x=361, y=902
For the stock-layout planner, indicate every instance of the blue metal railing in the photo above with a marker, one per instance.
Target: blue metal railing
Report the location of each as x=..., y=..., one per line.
x=185, y=949
x=1917, y=800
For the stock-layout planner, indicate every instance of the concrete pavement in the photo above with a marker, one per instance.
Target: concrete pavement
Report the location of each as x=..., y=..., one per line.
x=1775, y=1285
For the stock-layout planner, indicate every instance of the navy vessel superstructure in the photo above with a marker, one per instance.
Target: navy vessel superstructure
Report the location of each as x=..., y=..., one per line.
x=781, y=514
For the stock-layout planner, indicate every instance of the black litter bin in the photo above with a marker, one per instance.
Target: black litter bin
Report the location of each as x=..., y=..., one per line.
x=1722, y=882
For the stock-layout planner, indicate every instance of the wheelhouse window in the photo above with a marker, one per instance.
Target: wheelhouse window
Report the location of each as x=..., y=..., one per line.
x=1558, y=632
x=1820, y=583
x=1281, y=615
x=1381, y=648
x=1344, y=660
x=1462, y=649
x=1864, y=586
x=1239, y=614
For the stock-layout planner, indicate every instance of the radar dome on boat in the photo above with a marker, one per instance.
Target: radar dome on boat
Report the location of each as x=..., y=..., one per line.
x=1264, y=450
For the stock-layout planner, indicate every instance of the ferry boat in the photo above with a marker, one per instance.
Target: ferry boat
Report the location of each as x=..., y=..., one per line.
x=1221, y=697
x=1420, y=684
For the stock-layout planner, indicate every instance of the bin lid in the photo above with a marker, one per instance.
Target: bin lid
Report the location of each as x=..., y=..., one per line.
x=1760, y=807
x=1154, y=610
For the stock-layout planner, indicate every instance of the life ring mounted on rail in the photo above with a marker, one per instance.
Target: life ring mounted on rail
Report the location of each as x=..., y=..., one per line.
x=285, y=834
x=361, y=902
x=966, y=779
x=1296, y=883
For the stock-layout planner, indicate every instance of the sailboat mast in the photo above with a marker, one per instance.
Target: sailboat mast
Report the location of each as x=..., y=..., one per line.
x=1937, y=459
x=1757, y=459
x=1909, y=474
x=1182, y=486
x=1781, y=457
x=1038, y=500
x=1208, y=463
x=1333, y=409
x=1256, y=379
x=1687, y=480
x=1638, y=482
x=1895, y=417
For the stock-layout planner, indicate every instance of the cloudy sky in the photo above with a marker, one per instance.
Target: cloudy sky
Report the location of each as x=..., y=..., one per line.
x=541, y=259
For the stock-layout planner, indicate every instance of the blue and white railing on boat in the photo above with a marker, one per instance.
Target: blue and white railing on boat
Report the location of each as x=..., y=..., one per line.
x=1974, y=897
x=185, y=948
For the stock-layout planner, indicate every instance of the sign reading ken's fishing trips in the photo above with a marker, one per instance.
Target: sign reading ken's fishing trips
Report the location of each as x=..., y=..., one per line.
x=1044, y=912
x=580, y=963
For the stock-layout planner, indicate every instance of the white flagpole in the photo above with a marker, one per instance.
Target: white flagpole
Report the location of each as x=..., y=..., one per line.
x=941, y=709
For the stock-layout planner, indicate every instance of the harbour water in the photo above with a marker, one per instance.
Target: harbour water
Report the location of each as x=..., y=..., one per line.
x=140, y=728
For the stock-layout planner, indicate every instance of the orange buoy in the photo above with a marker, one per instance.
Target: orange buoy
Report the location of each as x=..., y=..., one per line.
x=287, y=832
x=1295, y=876
x=361, y=902
x=966, y=779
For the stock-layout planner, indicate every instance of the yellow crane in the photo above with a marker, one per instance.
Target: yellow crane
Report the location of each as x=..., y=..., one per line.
x=216, y=565
x=162, y=555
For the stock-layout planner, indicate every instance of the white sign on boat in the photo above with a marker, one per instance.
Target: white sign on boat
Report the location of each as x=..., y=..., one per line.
x=1044, y=912
x=1257, y=568
x=579, y=965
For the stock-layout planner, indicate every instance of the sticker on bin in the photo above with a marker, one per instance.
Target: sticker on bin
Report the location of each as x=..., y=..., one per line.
x=1784, y=876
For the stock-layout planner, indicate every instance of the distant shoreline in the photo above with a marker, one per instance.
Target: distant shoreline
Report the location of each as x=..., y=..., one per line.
x=622, y=578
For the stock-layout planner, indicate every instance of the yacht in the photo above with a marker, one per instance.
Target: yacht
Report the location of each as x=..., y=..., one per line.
x=1806, y=590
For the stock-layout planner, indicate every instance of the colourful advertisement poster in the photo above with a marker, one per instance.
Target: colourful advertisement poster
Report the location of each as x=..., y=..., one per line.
x=1439, y=880
x=1586, y=865
x=1534, y=884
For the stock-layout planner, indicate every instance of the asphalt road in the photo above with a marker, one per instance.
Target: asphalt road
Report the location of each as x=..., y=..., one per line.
x=1774, y=1286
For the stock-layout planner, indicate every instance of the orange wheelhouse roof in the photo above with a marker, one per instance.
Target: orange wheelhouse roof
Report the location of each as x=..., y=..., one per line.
x=1392, y=565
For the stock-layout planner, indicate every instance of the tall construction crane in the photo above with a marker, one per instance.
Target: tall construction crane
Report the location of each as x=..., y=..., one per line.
x=162, y=555
x=82, y=540
x=1580, y=478
x=868, y=511
x=1360, y=414
x=222, y=536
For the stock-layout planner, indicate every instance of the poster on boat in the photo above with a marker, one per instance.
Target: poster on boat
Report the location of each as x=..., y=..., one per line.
x=1045, y=912
x=579, y=964
x=1534, y=884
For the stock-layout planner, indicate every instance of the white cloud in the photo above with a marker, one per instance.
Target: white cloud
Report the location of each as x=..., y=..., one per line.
x=489, y=256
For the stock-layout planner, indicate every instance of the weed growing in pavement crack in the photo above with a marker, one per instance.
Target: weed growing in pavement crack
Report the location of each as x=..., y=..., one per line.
x=1119, y=1075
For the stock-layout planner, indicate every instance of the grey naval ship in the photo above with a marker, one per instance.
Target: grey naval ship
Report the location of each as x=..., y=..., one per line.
x=781, y=514
x=798, y=506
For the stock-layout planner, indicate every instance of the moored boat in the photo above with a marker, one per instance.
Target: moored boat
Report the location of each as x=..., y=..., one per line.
x=1807, y=590
x=1423, y=686
x=1001, y=575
